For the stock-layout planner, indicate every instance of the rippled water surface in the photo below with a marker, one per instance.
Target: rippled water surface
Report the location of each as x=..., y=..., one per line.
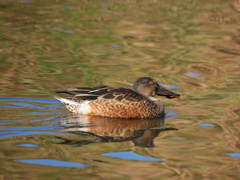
x=189, y=47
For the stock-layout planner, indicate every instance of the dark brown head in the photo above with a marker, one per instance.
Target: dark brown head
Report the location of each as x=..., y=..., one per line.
x=149, y=87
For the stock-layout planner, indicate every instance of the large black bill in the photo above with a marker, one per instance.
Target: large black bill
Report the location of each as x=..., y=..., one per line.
x=169, y=94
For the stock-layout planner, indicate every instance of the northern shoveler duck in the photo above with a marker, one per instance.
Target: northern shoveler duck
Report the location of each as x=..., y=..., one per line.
x=120, y=102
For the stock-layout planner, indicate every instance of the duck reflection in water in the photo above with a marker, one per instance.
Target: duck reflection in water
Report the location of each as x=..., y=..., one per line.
x=140, y=131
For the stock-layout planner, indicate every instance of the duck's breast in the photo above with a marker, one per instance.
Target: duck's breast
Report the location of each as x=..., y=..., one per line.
x=126, y=109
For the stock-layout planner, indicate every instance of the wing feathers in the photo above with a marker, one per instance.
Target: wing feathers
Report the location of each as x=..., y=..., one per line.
x=102, y=92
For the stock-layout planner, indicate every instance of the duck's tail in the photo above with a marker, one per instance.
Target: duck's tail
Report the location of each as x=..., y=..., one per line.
x=70, y=104
x=75, y=107
x=66, y=101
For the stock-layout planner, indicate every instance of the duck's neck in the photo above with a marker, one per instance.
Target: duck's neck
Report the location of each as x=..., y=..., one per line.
x=152, y=98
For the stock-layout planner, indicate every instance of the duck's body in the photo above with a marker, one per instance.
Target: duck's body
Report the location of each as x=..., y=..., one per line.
x=118, y=102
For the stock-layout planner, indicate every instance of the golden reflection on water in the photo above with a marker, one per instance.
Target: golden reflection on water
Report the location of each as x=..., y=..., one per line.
x=140, y=131
x=57, y=43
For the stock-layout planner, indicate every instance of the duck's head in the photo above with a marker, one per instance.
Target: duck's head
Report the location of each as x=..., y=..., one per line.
x=149, y=87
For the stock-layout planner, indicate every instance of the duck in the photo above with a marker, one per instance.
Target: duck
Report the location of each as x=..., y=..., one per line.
x=118, y=102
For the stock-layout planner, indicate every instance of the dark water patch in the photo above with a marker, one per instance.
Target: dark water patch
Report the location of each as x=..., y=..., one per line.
x=69, y=7
x=204, y=69
x=105, y=14
x=130, y=156
x=227, y=50
x=50, y=162
x=25, y=1
x=213, y=97
x=105, y=4
x=27, y=145
x=237, y=111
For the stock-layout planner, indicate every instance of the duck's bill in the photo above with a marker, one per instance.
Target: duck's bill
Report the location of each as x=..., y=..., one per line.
x=168, y=94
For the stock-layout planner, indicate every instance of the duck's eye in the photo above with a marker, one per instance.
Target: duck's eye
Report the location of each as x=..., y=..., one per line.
x=150, y=82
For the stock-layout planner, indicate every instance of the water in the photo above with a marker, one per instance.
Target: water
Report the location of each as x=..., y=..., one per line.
x=130, y=156
x=48, y=162
x=189, y=47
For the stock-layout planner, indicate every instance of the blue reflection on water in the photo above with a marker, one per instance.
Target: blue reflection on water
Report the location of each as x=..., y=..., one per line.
x=63, y=30
x=170, y=86
x=28, y=145
x=8, y=106
x=30, y=128
x=67, y=31
x=39, y=113
x=130, y=156
x=50, y=162
x=45, y=119
x=28, y=105
x=233, y=154
x=176, y=138
x=205, y=125
x=11, y=120
x=33, y=106
x=22, y=104
x=4, y=123
x=191, y=74
x=25, y=133
x=170, y=114
x=29, y=99
x=51, y=122
x=115, y=45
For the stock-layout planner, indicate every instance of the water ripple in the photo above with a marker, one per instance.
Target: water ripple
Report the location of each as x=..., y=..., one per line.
x=50, y=162
x=25, y=133
x=130, y=156
x=28, y=145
